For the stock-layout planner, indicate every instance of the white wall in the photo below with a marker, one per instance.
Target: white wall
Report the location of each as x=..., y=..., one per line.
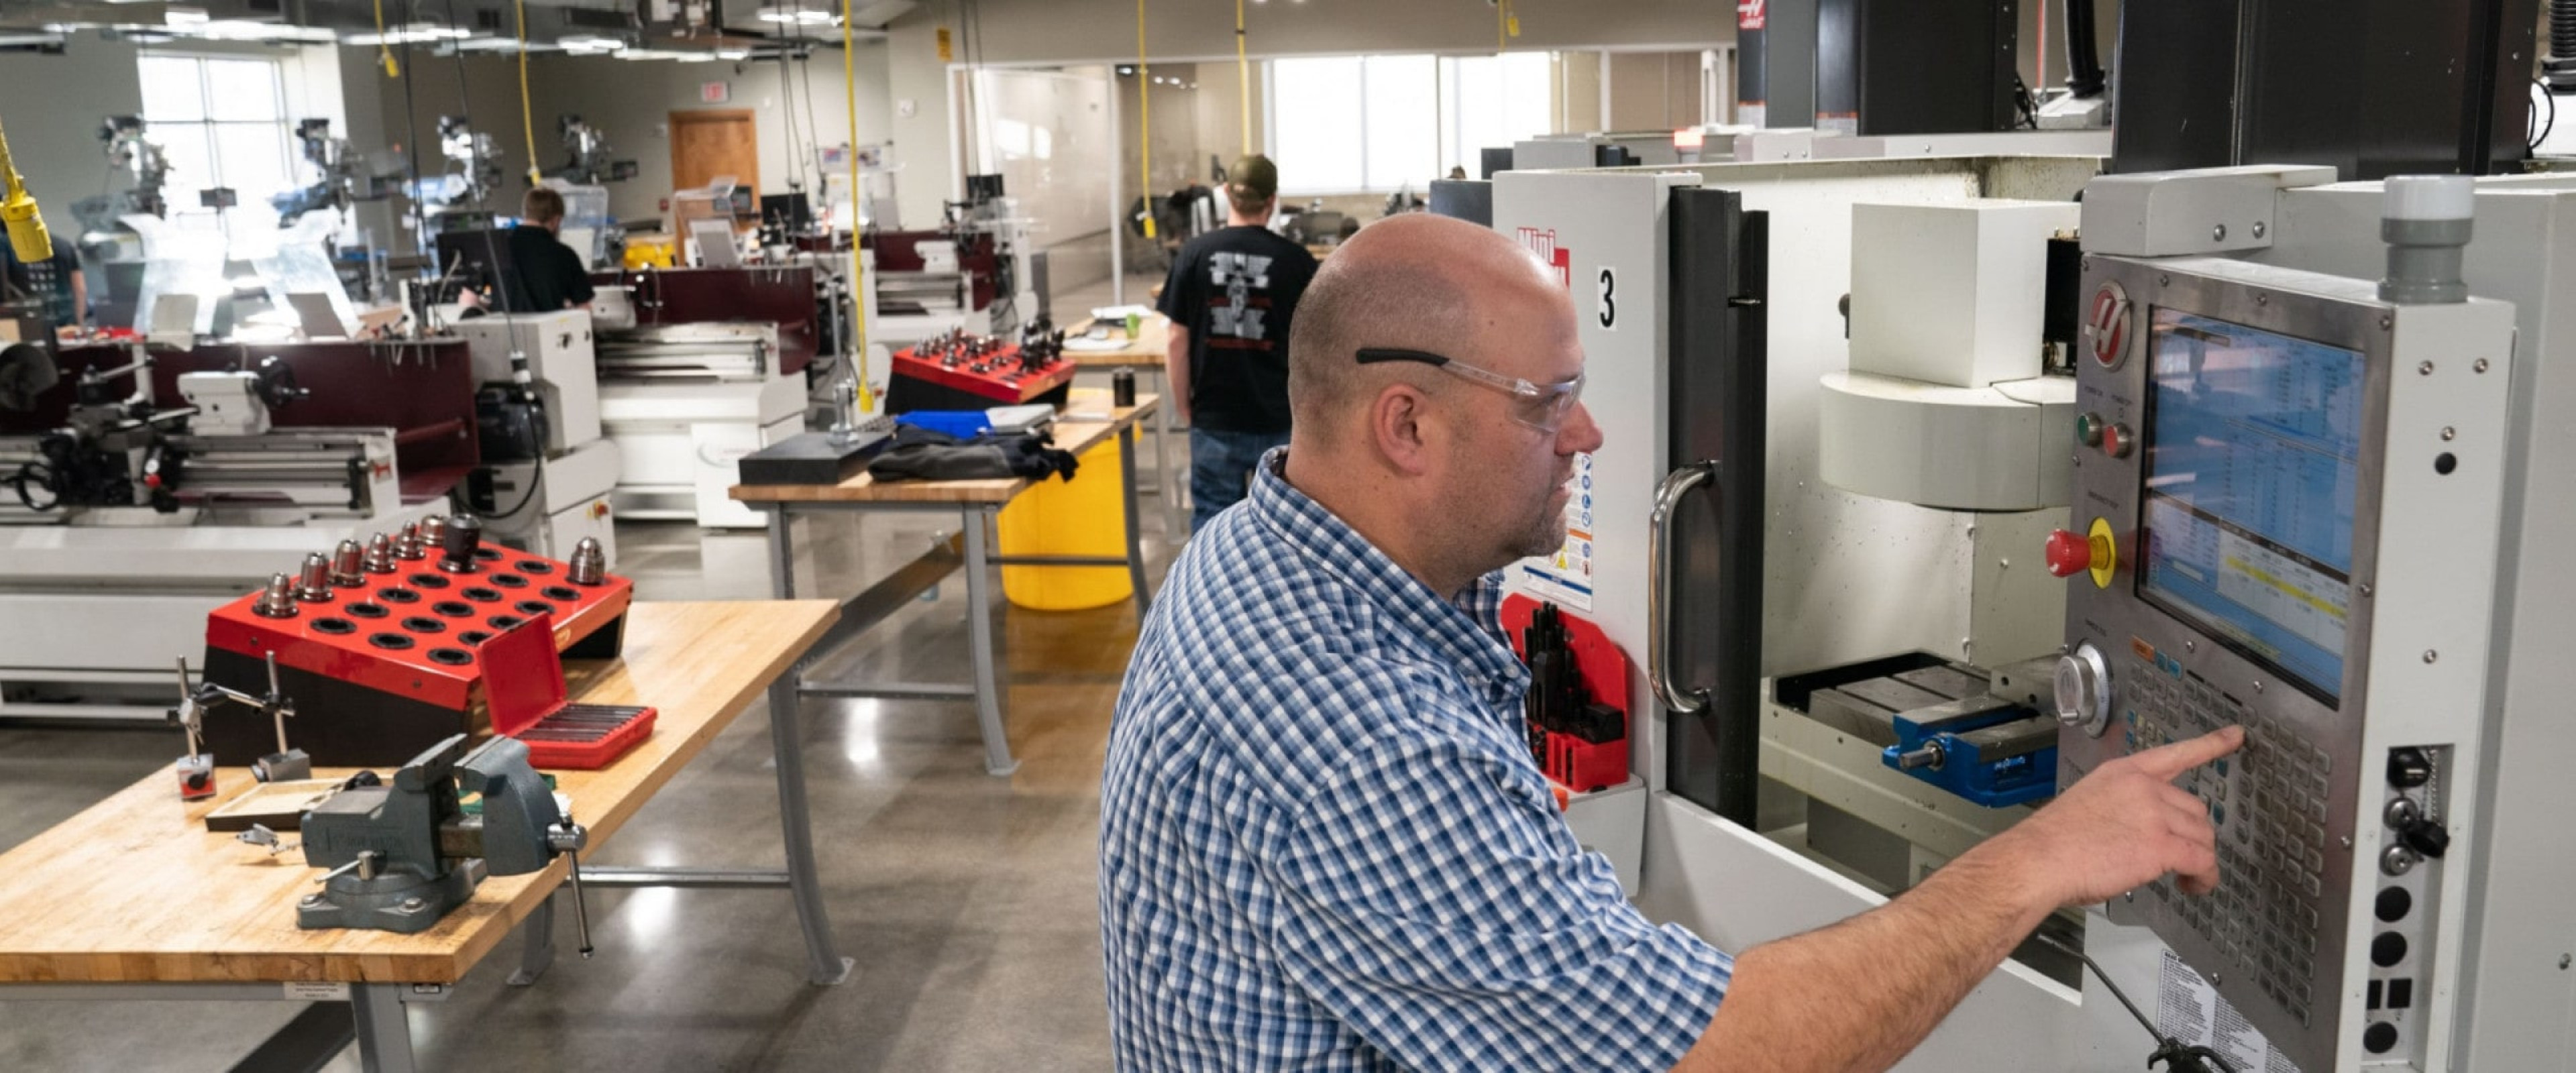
x=1060, y=31
x=925, y=141
x=631, y=101
x=53, y=108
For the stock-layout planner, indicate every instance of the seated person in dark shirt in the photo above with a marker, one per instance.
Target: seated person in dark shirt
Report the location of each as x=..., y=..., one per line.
x=546, y=275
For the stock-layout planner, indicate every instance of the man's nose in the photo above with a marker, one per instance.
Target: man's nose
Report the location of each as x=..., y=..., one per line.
x=1581, y=433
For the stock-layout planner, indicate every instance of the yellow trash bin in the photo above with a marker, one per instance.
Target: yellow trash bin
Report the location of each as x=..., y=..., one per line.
x=1084, y=516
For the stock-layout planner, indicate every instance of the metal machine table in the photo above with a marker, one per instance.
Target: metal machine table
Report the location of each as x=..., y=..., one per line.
x=976, y=504
x=134, y=899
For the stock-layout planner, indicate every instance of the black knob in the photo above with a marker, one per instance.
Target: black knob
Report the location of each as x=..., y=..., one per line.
x=2394, y=904
x=2379, y=1038
x=456, y=544
x=2426, y=837
x=2387, y=949
x=2409, y=768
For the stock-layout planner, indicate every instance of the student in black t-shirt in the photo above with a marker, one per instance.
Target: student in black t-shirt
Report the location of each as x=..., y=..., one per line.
x=548, y=275
x=1231, y=294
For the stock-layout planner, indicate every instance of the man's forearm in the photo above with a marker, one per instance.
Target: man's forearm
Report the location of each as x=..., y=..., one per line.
x=1860, y=994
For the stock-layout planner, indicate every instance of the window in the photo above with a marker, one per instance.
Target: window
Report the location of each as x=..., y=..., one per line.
x=1495, y=101
x=1374, y=124
x=222, y=120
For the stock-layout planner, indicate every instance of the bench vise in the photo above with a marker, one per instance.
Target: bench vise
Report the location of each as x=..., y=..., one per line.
x=402, y=854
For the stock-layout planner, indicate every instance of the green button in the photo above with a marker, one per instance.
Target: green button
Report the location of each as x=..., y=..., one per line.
x=2088, y=430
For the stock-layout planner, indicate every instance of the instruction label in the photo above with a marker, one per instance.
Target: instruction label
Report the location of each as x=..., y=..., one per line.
x=316, y=991
x=1565, y=578
x=2188, y=1009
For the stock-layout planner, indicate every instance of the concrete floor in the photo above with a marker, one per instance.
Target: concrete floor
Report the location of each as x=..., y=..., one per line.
x=969, y=902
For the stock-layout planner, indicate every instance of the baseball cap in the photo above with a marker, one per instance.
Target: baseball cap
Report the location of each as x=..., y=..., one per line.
x=1254, y=177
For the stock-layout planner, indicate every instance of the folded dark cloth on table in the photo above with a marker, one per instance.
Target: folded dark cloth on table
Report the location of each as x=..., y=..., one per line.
x=919, y=454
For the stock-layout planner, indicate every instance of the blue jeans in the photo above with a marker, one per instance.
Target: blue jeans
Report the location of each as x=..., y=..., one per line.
x=1221, y=469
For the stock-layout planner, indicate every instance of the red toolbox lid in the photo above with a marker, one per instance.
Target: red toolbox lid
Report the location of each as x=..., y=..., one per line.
x=523, y=678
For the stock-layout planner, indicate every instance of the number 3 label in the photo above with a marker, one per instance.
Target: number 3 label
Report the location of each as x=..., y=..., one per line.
x=1609, y=314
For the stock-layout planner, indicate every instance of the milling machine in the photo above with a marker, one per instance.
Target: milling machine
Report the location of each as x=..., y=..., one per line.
x=1891, y=504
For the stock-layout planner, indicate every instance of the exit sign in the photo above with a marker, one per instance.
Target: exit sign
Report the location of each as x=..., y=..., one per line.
x=715, y=92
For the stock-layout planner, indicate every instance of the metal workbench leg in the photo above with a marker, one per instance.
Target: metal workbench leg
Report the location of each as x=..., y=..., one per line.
x=1165, y=488
x=979, y=636
x=826, y=965
x=1127, y=500
x=536, y=943
x=384, y=1028
x=782, y=553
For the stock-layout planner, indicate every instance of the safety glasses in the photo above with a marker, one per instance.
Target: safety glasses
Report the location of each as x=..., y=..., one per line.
x=1540, y=406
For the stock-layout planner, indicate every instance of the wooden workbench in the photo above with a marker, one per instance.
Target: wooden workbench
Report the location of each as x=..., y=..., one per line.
x=133, y=897
x=975, y=504
x=1149, y=350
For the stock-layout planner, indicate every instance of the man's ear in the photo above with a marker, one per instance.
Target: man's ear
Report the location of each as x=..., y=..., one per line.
x=1397, y=425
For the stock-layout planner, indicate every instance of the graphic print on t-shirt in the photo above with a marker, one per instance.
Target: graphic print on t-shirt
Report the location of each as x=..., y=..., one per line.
x=1240, y=274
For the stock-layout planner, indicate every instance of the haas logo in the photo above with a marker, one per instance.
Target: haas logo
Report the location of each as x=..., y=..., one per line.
x=1543, y=243
x=1750, y=14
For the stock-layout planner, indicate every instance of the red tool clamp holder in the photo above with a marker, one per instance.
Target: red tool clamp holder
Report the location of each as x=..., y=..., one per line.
x=388, y=667
x=957, y=382
x=1570, y=760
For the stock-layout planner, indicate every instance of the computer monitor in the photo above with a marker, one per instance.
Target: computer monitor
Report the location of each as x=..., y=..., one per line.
x=791, y=212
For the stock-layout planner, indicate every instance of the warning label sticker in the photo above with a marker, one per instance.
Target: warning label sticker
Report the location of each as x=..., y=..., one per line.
x=2188, y=1009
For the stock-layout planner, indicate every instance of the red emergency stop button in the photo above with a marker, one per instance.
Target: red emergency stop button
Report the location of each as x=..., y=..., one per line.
x=2069, y=553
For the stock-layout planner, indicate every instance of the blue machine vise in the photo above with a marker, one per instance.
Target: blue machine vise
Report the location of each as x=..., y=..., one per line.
x=1986, y=749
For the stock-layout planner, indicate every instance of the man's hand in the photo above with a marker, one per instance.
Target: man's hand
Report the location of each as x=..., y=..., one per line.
x=1860, y=994
x=2121, y=827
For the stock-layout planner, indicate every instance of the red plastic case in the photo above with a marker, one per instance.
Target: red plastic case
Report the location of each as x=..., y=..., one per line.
x=523, y=684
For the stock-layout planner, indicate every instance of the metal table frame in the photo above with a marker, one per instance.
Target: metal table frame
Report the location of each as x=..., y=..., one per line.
x=871, y=606
x=373, y=1014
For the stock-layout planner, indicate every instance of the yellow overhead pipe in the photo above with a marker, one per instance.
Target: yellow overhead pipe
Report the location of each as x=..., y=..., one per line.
x=18, y=209
x=527, y=119
x=1243, y=77
x=858, y=265
x=1144, y=119
x=384, y=51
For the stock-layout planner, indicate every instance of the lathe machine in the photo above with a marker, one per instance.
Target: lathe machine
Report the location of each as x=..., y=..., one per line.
x=149, y=484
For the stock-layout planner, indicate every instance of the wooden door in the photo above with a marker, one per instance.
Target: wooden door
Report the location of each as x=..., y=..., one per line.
x=712, y=142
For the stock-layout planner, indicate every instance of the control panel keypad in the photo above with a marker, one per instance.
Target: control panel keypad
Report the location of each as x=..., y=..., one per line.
x=2268, y=803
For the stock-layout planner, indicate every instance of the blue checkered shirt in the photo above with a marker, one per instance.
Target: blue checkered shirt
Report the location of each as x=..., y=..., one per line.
x=1324, y=845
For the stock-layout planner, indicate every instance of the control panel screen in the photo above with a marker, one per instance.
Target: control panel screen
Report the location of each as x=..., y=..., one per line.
x=2253, y=454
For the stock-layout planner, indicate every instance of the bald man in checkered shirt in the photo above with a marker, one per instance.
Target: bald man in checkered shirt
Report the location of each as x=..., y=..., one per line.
x=1324, y=845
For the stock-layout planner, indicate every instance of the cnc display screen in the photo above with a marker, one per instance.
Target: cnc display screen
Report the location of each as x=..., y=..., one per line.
x=2253, y=452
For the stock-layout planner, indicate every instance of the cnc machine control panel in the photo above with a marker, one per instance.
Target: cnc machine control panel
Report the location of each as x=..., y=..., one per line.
x=2284, y=515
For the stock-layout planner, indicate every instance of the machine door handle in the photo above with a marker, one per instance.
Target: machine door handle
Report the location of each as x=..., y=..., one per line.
x=1659, y=663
